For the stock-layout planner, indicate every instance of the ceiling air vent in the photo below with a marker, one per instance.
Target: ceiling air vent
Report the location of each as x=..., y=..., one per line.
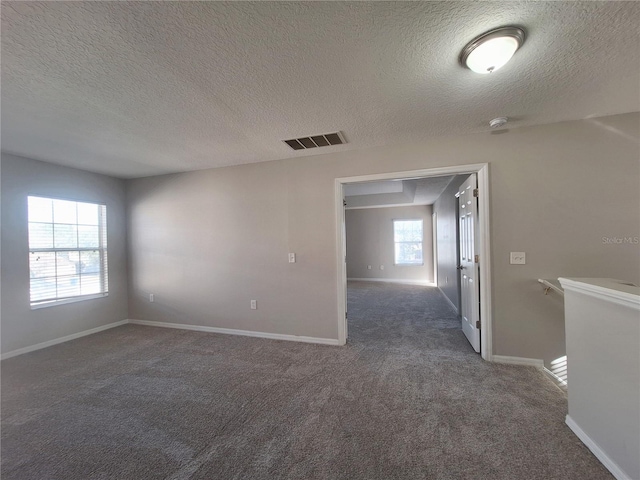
x=316, y=141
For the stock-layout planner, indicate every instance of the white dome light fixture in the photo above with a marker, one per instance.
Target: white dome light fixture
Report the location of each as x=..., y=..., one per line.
x=492, y=50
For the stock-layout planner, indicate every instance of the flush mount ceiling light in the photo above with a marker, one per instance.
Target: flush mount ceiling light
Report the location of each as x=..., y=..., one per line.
x=492, y=50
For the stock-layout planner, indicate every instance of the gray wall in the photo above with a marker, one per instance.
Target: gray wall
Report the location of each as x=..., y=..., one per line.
x=21, y=326
x=207, y=242
x=370, y=242
x=447, y=232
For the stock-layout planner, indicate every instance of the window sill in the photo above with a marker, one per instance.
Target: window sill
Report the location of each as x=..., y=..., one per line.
x=54, y=303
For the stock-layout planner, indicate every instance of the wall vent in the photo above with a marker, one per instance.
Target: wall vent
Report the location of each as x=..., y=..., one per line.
x=314, y=141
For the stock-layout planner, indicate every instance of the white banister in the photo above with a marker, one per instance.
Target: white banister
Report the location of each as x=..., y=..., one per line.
x=551, y=285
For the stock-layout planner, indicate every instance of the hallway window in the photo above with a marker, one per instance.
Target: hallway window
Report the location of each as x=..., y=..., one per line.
x=407, y=237
x=67, y=251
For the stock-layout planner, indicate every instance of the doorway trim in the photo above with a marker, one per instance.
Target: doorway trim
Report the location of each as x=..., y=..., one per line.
x=482, y=170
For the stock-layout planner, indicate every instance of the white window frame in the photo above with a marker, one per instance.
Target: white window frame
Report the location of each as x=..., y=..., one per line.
x=395, y=243
x=102, y=249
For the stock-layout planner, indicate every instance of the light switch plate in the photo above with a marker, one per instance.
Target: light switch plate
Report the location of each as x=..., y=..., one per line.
x=292, y=258
x=517, y=258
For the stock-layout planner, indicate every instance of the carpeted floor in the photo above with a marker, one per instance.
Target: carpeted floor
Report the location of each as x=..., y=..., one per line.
x=406, y=399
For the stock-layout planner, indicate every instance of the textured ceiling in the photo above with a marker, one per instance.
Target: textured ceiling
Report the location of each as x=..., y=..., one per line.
x=142, y=88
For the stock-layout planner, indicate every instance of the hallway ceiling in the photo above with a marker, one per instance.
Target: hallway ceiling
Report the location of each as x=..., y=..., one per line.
x=142, y=88
x=395, y=193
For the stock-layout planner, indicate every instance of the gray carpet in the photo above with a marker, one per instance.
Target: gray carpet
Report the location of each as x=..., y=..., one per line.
x=406, y=399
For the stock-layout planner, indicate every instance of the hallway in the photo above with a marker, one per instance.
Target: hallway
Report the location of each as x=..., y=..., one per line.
x=404, y=315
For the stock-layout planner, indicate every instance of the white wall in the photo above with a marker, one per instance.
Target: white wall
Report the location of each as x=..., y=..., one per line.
x=21, y=326
x=603, y=355
x=207, y=242
x=370, y=242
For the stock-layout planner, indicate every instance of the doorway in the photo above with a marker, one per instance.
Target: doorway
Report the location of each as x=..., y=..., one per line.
x=484, y=261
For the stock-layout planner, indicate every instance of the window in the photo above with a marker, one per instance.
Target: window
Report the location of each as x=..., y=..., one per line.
x=67, y=250
x=407, y=237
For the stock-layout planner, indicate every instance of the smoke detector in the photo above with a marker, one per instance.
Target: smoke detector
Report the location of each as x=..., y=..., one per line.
x=498, y=122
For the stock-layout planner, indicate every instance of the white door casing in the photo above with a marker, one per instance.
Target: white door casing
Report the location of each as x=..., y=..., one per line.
x=469, y=278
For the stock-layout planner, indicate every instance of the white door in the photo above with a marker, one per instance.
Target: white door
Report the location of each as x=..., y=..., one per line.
x=344, y=266
x=469, y=286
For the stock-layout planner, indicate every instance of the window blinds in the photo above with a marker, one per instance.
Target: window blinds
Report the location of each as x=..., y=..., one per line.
x=67, y=249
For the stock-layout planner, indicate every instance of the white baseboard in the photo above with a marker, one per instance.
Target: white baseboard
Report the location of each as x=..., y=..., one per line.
x=231, y=331
x=448, y=300
x=555, y=378
x=530, y=362
x=56, y=341
x=198, y=328
x=600, y=454
x=394, y=280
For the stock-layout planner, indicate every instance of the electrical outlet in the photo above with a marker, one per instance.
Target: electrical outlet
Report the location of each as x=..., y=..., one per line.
x=254, y=304
x=151, y=299
x=292, y=258
x=517, y=258
x=381, y=267
x=368, y=267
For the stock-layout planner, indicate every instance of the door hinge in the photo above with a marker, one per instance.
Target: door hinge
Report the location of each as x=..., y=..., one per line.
x=478, y=324
x=475, y=192
x=477, y=258
x=344, y=203
x=346, y=315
